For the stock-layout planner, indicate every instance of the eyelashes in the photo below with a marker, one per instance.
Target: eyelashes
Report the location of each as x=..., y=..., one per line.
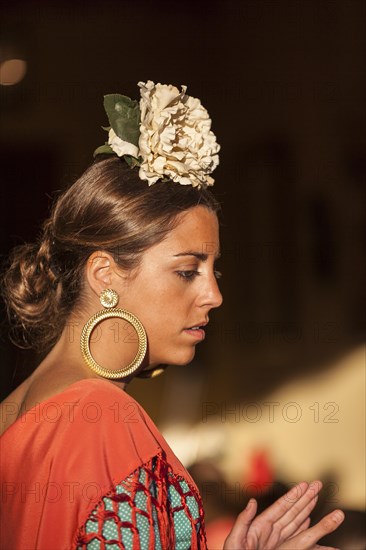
x=189, y=276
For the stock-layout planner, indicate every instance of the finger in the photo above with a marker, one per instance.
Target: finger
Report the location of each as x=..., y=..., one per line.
x=326, y=525
x=298, y=498
x=323, y=547
x=302, y=507
x=283, y=512
x=303, y=500
x=315, y=487
x=285, y=503
x=265, y=526
x=289, y=546
x=291, y=521
x=241, y=526
x=305, y=525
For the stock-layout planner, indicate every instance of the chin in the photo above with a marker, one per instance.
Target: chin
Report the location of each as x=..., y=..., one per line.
x=179, y=359
x=185, y=358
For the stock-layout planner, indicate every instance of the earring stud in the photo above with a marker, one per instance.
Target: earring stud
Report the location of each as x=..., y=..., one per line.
x=109, y=298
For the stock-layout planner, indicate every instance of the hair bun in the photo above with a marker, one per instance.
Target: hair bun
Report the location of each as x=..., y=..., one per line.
x=32, y=292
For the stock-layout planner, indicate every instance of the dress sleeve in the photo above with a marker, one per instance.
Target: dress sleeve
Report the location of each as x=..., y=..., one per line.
x=153, y=508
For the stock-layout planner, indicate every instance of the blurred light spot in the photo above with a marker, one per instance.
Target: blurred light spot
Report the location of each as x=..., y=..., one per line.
x=12, y=71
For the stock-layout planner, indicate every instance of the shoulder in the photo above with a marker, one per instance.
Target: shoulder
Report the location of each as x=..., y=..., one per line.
x=96, y=401
x=87, y=413
x=103, y=395
x=46, y=392
x=100, y=408
x=92, y=430
x=103, y=435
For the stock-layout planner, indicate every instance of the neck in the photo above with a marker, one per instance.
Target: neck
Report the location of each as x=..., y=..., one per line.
x=112, y=345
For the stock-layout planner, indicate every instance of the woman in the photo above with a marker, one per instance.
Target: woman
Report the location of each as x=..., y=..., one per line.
x=121, y=284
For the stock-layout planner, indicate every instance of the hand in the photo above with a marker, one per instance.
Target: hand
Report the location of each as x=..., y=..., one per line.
x=285, y=524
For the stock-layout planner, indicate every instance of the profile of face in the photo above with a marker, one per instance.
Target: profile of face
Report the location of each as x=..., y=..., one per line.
x=175, y=288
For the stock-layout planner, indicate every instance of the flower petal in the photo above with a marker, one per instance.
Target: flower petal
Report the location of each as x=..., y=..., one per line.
x=121, y=147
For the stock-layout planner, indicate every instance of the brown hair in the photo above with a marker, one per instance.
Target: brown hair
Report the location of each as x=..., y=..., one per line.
x=108, y=208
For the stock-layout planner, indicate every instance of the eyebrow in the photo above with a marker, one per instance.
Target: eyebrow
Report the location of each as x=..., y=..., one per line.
x=199, y=255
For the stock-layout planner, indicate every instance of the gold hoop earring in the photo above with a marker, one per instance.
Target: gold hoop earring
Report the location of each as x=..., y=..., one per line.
x=109, y=299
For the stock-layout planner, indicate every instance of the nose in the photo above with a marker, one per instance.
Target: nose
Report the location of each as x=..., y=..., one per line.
x=211, y=295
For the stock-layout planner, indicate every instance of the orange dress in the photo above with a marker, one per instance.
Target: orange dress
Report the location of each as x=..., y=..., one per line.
x=88, y=469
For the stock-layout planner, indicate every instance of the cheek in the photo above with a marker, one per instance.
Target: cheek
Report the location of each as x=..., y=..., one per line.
x=164, y=324
x=163, y=305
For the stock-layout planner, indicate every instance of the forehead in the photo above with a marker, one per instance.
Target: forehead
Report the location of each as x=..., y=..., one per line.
x=197, y=230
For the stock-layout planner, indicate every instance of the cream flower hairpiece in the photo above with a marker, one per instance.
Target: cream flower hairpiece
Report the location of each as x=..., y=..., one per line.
x=168, y=136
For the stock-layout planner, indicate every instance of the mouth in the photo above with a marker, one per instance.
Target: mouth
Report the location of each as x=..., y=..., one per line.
x=197, y=331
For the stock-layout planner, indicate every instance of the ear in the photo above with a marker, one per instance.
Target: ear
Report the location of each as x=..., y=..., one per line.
x=100, y=271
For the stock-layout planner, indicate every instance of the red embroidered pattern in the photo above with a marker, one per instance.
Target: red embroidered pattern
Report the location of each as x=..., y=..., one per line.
x=158, y=508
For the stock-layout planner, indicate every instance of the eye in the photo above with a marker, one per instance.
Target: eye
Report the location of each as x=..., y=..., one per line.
x=217, y=274
x=188, y=275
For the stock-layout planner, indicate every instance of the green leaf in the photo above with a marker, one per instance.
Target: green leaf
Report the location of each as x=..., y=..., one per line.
x=103, y=150
x=132, y=161
x=124, y=117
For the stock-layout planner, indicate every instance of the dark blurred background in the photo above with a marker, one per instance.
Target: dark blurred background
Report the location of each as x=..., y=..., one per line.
x=284, y=83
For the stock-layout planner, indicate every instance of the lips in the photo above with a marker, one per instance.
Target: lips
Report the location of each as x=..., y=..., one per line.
x=197, y=326
x=196, y=331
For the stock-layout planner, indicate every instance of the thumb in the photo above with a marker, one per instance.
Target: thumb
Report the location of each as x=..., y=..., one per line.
x=238, y=533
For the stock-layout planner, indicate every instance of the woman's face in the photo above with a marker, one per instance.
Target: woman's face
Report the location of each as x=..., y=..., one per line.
x=175, y=288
